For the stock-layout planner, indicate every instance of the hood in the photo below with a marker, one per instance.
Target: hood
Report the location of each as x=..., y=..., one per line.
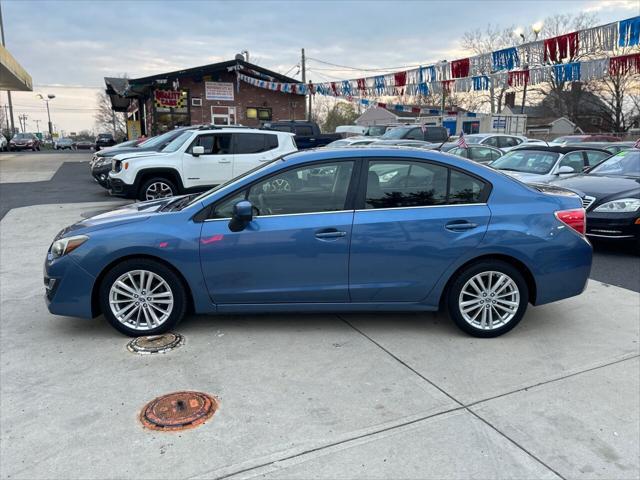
x=601, y=186
x=112, y=151
x=136, y=212
x=130, y=155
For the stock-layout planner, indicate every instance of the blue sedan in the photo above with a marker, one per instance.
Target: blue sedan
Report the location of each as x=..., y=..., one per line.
x=375, y=229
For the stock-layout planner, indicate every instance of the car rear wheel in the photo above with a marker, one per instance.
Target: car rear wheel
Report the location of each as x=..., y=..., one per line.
x=142, y=297
x=488, y=298
x=157, y=187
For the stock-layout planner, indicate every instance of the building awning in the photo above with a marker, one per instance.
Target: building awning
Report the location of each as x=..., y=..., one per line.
x=12, y=75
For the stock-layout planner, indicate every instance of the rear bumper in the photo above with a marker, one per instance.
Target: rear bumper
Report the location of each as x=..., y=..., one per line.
x=616, y=226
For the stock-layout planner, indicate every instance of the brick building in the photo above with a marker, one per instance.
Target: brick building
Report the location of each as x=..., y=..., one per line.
x=210, y=94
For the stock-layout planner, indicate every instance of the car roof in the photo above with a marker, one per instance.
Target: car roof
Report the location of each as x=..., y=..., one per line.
x=557, y=149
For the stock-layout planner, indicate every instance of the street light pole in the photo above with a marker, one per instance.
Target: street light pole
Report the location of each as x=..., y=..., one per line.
x=50, y=96
x=13, y=126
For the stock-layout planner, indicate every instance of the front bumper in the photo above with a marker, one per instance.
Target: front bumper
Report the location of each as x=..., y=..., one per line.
x=617, y=226
x=68, y=288
x=120, y=189
x=101, y=174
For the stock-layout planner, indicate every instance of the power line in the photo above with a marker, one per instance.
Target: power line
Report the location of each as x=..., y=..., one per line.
x=346, y=67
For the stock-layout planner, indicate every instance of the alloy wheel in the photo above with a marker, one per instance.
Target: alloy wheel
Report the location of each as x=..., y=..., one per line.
x=158, y=190
x=141, y=300
x=489, y=300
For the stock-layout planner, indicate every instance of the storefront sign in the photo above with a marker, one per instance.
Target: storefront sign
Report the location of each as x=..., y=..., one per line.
x=133, y=129
x=168, y=99
x=218, y=91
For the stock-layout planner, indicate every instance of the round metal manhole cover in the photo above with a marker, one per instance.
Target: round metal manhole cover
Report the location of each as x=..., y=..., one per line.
x=178, y=411
x=155, y=343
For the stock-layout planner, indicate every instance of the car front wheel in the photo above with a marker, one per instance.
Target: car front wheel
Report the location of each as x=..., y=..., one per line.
x=142, y=297
x=155, y=188
x=488, y=298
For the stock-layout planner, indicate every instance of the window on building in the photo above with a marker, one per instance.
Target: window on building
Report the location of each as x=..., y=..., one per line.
x=258, y=113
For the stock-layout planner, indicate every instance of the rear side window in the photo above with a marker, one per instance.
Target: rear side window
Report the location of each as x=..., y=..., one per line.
x=246, y=143
x=303, y=130
x=594, y=158
x=401, y=184
x=415, y=134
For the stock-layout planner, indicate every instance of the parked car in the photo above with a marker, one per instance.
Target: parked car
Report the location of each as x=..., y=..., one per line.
x=610, y=193
x=583, y=138
x=541, y=164
x=195, y=161
x=351, y=142
x=104, y=140
x=85, y=145
x=64, y=143
x=4, y=143
x=405, y=143
x=100, y=165
x=417, y=132
x=477, y=153
x=307, y=134
x=350, y=130
x=611, y=147
x=496, y=140
x=24, y=141
x=339, y=238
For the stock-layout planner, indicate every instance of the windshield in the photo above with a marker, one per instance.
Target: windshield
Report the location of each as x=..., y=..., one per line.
x=22, y=136
x=376, y=131
x=396, y=133
x=527, y=161
x=626, y=163
x=160, y=140
x=177, y=142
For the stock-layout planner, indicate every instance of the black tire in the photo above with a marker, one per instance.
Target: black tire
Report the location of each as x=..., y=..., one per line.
x=142, y=192
x=458, y=283
x=174, y=282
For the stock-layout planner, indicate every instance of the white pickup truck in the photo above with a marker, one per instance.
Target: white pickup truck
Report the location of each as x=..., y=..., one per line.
x=196, y=160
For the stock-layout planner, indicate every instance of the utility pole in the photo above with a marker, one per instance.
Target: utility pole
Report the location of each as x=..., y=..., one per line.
x=13, y=127
x=113, y=121
x=303, y=67
x=23, y=122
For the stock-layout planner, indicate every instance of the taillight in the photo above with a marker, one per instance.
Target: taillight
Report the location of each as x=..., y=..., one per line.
x=575, y=218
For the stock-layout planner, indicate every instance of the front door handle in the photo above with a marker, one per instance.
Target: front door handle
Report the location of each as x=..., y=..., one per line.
x=330, y=234
x=460, y=226
x=224, y=160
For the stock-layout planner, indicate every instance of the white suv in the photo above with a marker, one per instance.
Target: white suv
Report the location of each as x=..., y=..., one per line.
x=196, y=160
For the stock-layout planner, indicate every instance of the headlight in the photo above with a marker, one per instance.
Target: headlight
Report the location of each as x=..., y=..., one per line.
x=102, y=161
x=66, y=245
x=624, y=205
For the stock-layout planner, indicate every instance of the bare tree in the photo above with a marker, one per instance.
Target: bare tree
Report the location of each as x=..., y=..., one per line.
x=479, y=42
x=107, y=120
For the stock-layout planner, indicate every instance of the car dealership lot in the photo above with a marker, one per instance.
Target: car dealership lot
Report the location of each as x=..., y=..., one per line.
x=346, y=396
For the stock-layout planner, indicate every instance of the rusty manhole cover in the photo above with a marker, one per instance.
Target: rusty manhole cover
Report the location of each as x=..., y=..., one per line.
x=155, y=343
x=178, y=411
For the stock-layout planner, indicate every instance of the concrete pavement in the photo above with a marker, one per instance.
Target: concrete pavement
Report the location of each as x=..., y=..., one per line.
x=315, y=396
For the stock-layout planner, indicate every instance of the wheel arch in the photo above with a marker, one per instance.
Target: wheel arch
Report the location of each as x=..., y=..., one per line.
x=170, y=173
x=95, y=291
x=514, y=262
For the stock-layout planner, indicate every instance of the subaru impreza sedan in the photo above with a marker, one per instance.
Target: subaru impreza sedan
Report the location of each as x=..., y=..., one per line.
x=333, y=230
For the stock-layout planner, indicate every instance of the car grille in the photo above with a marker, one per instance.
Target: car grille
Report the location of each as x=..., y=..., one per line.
x=587, y=201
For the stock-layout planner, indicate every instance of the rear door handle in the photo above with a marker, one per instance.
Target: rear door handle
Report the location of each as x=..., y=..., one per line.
x=330, y=234
x=224, y=160
x=460, y=226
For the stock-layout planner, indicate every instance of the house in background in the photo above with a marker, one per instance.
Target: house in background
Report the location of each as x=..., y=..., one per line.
x=383, y=116
x=551, y=127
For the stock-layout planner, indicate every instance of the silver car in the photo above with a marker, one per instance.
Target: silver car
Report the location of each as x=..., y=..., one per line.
x=544, y=164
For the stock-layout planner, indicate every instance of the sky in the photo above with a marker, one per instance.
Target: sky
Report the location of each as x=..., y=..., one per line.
x=68, y=47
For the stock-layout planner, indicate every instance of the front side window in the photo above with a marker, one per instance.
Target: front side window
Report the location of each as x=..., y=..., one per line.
x=573, y=160
x=491, y=141
x=482, y=154
x=462, y=152
x=405, y=184
x=309, y=189
x=214, y=144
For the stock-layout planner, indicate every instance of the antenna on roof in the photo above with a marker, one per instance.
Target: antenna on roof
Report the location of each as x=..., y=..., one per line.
x=442, y=144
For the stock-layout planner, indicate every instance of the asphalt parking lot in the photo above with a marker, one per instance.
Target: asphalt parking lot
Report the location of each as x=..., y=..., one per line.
x=313, y=396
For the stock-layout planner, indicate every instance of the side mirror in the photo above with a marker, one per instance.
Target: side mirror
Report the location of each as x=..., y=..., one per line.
x=197, y=151
x=242, y=215
x=565, y=169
